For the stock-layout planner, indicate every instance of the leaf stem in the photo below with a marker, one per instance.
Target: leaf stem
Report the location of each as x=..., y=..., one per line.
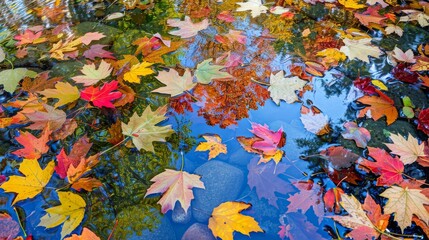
x=258, y=82
x=10, y=62
x=183, y=161
x=112, y=147
x=417, y=180
x=19, y=222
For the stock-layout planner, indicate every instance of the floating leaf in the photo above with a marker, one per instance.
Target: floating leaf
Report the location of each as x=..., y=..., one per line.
x=214, y=145
x=65, y=92
x=359, y=134
x=33, y=147
x=11, y=77
x=92, y=75
x=141, y=69
x=187, y=28
x=255, y=6
x=379, y=107
x=360, y=49
x=176, y=84
x=102, y=97
x=206, y=72
x=282, y=88
x=408, y=150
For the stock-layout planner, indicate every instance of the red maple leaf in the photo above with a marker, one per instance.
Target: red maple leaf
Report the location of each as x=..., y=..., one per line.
x=270, y=140
x=79, y=151
x=27, y=37
x=332, y=199
x=97, y=50
x=310, y=195
x=389, y=168
x=101, y=97
x=33, y=147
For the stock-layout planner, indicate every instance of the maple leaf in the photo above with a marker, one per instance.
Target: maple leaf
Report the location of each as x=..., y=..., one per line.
x=79, y=151
x=34, y=180
x=97, y=50
x=65, y=92
x=402, y=56
x=331, y=56
x=86, y=183
x=92, y=75
x=390, y=169
x=29, y=37
x=141, y=69
x=156, y=55
x=332, y=199
x=102, y=97
x=414, y=15
x=255, y=6
x=52, y=118
x=282, y=88
x=226, y=219
x=265, y=178
x=33, y=147
x=176, y=84
x=357, y=219
x=310, y=195
x=360, y=135
x=407, y=150
x=373, y=211
x=59, y=48
x=187, y=28
x=340, y=157
x=314, y=121
x=10, y=78
x=367, y=20
x=360, y=49
x=422, y=64
x=143, y=130
x=70, y=213
x=379, y=107
x=351, y=4
x=40, y=83
x=404, y=203
x=85, y=235
x=206, y=72
x=214, y=145
x=269, y=141
x=91, y=36
x=9, y=227
x=74, y=174
x=175, y=186
x=394, y=29
x=373, y=2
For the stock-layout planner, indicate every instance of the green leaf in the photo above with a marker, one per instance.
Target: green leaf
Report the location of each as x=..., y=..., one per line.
x=407, y=102
x=206, y=72
x=11, y=77
x=408, y=112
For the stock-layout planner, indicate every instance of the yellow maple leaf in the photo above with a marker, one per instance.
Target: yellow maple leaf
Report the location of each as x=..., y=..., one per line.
x=59, y=48
x=351, y=4
x=226, y=219
x=70, y=213
x=33, y=182
x=214, y=145
x=331, y=56
x=141, y=69
x=156, y=56
x=65, y=92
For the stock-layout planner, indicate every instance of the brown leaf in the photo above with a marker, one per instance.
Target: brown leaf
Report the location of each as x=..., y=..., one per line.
x=40, y=83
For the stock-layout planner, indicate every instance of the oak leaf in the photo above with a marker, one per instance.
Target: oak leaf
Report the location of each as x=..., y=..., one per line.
x=141, y=69
x=175, y=84
x=70, y=213
x=389, y=168
x=226, y=219
x=65, y=92
x=360, y=49
x=284, y=88
x=175, y=186
x=33, y=147
x=214, y=145
x=92, y=74
x=186, y=27
x=379, y=107
x=408, y=150
x=34, y=180
x=102, y=97
x=206, y=72
x=143, y=130
x=404, y=203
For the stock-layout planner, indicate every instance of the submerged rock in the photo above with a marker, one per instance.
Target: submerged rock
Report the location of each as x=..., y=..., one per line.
x=223, y=182
x=179, y=215
x=198, y=231
x=164, y=231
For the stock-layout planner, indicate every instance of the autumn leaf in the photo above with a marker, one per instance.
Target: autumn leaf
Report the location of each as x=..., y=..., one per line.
x=91, y=36
x=379, y=107
x=156, y=55
x=52, y=118
x=331, y=56
x=404, y=203
x=214, y=145
x=92, y=75
x=39, y=83
x=360, y=49
x=85, y=235
x=226, y=219
x=284, y=88
x=88, y=184
x=351, y=4
x=9, y=227
x=206, y=72
x=298, y=227
x=255, y=6
x=360, y=135
x=70, y=213
x=65, y=92
x=175, y=186
x=143, y=130
x=187, y=28
x=269, y=141
x=32, y=183
x=332, y=199
x=390, y=169
x=97, y=50
x=141, y=69
x=79, y=150
x=407, y=56
x=309, y=195
x=33, y=147
x=340, y=157
x=408, y=150
x=102, y=97
x=29, y=37
x=60, y=48
x=10, y=78
x=175, y=84
x=266, y=179
x=314, y=121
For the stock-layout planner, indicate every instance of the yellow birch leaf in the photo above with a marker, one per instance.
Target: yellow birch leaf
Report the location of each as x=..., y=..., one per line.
x=65, y=92
x=70, y=213
x=34, y=180
x=214, y=145
x=137, y=70
x=226, y=219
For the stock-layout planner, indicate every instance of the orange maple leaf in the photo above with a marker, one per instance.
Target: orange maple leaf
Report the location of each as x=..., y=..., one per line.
x=379, y=107
x=33, y=147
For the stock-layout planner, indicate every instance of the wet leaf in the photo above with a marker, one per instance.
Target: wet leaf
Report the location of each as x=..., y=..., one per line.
x=39, y=83
x=359, y=134
x=85, y=235
x=214, y=145
x=79, y=150
x=206, y=72
x=91, y=36
x=309, y=195
x=33, y=147
x=354, y=4
x=65, y=92
x=52, y=118
x=360, y=49
x=187, y=28
x=379, y=107
x=10, y=78
x=284, y=88
x=175, y=84
x=255, y=6
x=102, y=97
x=408, y=150
x=226, y=219
x=92, y=75
x=340, y=157
x=402, y=56
x=175, y=186
x=137, y=70
x=32, y=183
x=332, y=199
x=298, y=228
x=70, y=213
x=9, y=227
x=314, y=122
x=97, y=51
